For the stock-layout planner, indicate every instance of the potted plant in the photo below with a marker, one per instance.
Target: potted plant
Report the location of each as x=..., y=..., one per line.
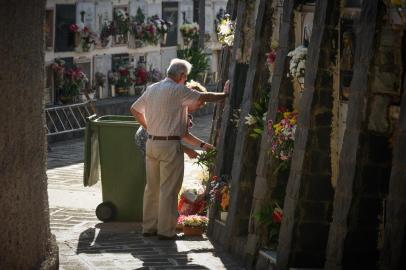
x=194, y=225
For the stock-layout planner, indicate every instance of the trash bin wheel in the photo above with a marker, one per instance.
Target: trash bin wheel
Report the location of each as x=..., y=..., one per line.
x=106, y=211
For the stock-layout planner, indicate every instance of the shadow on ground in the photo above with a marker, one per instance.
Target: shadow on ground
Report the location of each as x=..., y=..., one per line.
x=126, y=238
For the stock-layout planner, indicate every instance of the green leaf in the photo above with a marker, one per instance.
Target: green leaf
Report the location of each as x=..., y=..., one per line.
x=258, y=130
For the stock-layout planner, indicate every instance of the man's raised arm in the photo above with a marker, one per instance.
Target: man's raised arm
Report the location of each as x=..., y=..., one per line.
x=214, y=96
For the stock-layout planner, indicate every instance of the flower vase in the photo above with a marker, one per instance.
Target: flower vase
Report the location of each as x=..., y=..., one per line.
x=223, y=216
x=192, y=231
x=77, y=39
x=100, y=92
x=113, y=91
x=298, y=88
x=131, y=91
x=163, y=40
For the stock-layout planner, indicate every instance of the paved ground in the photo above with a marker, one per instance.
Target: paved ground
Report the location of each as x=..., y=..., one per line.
x=86, y=243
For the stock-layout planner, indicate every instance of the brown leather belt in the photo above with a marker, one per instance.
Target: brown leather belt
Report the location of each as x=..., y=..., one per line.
x=164, y=138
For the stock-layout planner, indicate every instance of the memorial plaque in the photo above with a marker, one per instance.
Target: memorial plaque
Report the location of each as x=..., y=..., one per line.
x=102, y=64
x=85, y=12
x=135, y=4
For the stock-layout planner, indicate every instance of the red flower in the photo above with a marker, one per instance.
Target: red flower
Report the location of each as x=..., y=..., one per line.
x=277, y=215
x=272, y=56
x=74, y=28
x=123, y=71
x=215, y=178
x=142, y=76
x=85, y=29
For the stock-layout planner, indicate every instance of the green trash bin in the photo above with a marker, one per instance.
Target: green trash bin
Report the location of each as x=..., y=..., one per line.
x=109, y=143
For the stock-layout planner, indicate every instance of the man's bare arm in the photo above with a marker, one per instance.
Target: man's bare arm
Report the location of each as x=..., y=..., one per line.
x=214, y=96
x=140, y=117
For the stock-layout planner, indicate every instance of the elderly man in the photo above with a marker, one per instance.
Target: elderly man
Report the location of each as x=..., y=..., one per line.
x=162, y=110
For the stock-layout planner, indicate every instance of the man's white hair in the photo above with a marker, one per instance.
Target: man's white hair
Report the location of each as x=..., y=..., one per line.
x=178, y=67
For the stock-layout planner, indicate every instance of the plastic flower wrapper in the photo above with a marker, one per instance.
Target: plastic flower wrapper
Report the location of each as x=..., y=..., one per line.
x=192, y=202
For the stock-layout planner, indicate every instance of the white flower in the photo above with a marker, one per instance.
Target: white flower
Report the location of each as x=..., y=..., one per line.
x=224, y=29
x=250, y=120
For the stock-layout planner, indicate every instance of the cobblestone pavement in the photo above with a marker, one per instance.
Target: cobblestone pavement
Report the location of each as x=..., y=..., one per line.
x=86, y=243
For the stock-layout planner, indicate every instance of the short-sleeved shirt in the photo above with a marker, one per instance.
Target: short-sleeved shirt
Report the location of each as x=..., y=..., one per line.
x=164, y=105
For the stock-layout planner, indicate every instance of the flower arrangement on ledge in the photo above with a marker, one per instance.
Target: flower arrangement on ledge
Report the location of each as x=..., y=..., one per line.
x=149, y=31
x=69, y=81
x=189, y=31
x=106, y=34
x=225, y=31
x=219, y=194
x=271, y=217
x=297, y=65
x=282, y=134
x=85, y=38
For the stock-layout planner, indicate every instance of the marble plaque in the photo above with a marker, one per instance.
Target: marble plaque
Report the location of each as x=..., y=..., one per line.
x=85, y=12
x=135, y=4
x=102, y=63
x=154, y=61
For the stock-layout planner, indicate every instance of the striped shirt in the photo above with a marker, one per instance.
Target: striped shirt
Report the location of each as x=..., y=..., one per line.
x=164, y=105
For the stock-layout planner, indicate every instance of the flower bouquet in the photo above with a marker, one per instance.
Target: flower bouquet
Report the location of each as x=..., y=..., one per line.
x=297, y=65
x=256, y=119
x=271, y=58
x=271, y=217
x=194, y=225
x=106, y=34
x=124, y=79
x=219, y=194
x=83, y=36
x=282, y=135
x=225, y=31
x=162, y=27
x=69, y=81
x=189, y=32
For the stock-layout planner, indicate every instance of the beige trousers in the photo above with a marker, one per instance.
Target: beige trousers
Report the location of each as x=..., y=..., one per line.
x=164, y=171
